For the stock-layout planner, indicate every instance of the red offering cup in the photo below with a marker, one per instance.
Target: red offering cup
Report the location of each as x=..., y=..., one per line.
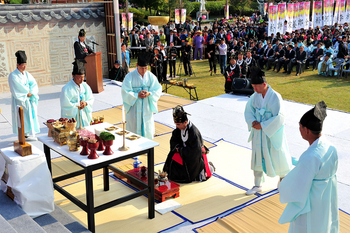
x=101, y=147
x=143, y=171
x=84, y=144
x=93, y=147
x=108, y=150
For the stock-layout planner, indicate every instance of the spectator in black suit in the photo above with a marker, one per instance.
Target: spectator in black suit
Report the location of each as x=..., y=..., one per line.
x=315, y=57
x=274, y=60
x=300, y=58
x=267, y=54
x=289, y=55
x=342, y=51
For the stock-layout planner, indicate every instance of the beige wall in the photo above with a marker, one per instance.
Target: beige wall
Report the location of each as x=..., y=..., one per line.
x=49, y=48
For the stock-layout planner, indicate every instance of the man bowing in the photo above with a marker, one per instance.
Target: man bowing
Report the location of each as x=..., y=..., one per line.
x=24, y=93
x=141, y=91
x=77, y=96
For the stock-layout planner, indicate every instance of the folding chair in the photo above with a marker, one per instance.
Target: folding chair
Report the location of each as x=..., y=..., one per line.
x=337, y=67
x=345, y=70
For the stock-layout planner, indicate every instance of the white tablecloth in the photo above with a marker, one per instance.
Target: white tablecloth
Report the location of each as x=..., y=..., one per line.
x=30, y=180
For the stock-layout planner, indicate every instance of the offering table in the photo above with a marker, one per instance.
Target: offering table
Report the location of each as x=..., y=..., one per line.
x=137, y=147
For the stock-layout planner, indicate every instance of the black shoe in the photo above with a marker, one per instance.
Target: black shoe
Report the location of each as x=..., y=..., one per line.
x=285, y=72
x=185, y=74
x=278, y=71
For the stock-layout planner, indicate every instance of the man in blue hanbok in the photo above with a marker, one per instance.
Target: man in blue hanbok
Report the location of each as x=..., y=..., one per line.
x=141, y=91
x=24, y=93
x=265, y=118
x=310, y=189
x=77, y=96
x=323, y=67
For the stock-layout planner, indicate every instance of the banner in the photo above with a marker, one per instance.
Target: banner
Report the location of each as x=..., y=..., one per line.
x=265, y=8
x=290, y=11
x=301, y=20
x=295, y=16
x=347, y=18
x=342, y=12
x=183, y=16
x=281, y=17
x=177, y=16
x=336, y=13
x=273, y=20
x=227, y=11
x=317, y=16
x=307, y=15
x=131, y=24
x=327, y=20
x=124, y=20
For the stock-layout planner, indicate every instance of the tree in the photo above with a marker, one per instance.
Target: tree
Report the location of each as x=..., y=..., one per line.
x=239, y=5
x=149, y=4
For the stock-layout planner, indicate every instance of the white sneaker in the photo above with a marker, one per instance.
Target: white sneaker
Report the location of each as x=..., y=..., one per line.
x=29, y=138
x=254, y=190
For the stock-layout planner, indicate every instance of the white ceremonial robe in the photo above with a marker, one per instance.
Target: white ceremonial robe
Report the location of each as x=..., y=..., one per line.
x=310, y=190
x=70, y=98
x=270, y=152
x=20, y=85
x=139, y=112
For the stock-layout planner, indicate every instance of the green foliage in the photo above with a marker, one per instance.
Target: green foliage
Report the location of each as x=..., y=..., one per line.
x=137, y=13
x=18, y=1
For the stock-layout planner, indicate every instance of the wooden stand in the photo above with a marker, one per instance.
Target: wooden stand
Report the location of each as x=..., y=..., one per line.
x=93, y=72
x=20, y=146
x=161, y=190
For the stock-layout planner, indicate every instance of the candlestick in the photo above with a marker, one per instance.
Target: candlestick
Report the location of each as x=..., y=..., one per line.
x=123, y=113
x=124, y=148
x=80, y=128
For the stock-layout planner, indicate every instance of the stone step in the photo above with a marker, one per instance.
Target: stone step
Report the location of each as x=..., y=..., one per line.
x=50, y=224
x=66, y=220
x=16, y=217
x=5, y=226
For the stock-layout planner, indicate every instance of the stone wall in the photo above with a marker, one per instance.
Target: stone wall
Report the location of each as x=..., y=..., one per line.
x=48, y=39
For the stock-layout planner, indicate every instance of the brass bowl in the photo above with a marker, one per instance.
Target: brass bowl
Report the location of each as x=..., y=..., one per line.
x=158, y=20
x=189, y=85
x=173, y=81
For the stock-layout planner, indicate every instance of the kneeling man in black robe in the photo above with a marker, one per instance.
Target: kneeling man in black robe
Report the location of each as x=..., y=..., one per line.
x=187, y=159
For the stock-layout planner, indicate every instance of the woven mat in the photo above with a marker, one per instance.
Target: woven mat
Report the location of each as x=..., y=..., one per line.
x=233, y=163
x=261, y=217
x=131, y=216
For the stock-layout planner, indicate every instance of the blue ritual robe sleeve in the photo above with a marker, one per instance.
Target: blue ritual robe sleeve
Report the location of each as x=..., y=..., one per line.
x=156, y=90
x=249, y=114
x=129, y=95
x=295, y=188
x=69, y=101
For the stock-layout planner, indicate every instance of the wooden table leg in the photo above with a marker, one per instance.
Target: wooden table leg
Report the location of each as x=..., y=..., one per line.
x=150, y=165
x=90, y=199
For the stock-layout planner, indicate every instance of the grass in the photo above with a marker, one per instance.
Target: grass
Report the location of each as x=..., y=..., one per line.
x=307, y=88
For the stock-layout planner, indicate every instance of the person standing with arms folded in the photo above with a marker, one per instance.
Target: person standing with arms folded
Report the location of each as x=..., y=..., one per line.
x=310, y=189
x=264, y=114
x=24, y=93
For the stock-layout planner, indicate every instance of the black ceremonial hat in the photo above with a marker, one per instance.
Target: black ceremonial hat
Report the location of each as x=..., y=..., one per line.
x=79, y=67
x=82, y=33
x=142, y=59
x=313, y=119
x=21, y=57
x=179, y=114
x=257, y=75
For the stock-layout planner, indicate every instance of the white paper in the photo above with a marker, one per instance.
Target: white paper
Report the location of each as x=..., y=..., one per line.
x=167, y=206
x=117, y=83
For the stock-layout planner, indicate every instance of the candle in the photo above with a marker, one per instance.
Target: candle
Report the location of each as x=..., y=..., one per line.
x=123, y=113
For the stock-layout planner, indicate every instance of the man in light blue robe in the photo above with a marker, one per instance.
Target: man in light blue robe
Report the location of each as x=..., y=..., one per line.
x=141, y=91
x=77, y=93
x=323, y=66
x=310, y=189
x=265, y=118
x=24, y=93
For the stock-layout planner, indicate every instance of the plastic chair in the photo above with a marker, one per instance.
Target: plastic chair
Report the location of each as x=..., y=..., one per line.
x=338, y=66
x=344, y=69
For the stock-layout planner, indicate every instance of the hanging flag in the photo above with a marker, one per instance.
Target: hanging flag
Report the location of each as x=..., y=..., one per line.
x=124, y=20
x=265, y=7
x=290, y=12
x=336, y=12
x=281, y=17
x=295, y=16
x=342, y=12
x=317, y=16
x=347, y=18
x=183, y=16
x=326, y=13
x=307, y=15
x=301, y=20
x=131, y=24
x=272, y=20
x=227, y=12
x=177, y=16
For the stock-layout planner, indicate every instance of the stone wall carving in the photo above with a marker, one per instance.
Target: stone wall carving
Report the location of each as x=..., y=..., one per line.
x=49, y=43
